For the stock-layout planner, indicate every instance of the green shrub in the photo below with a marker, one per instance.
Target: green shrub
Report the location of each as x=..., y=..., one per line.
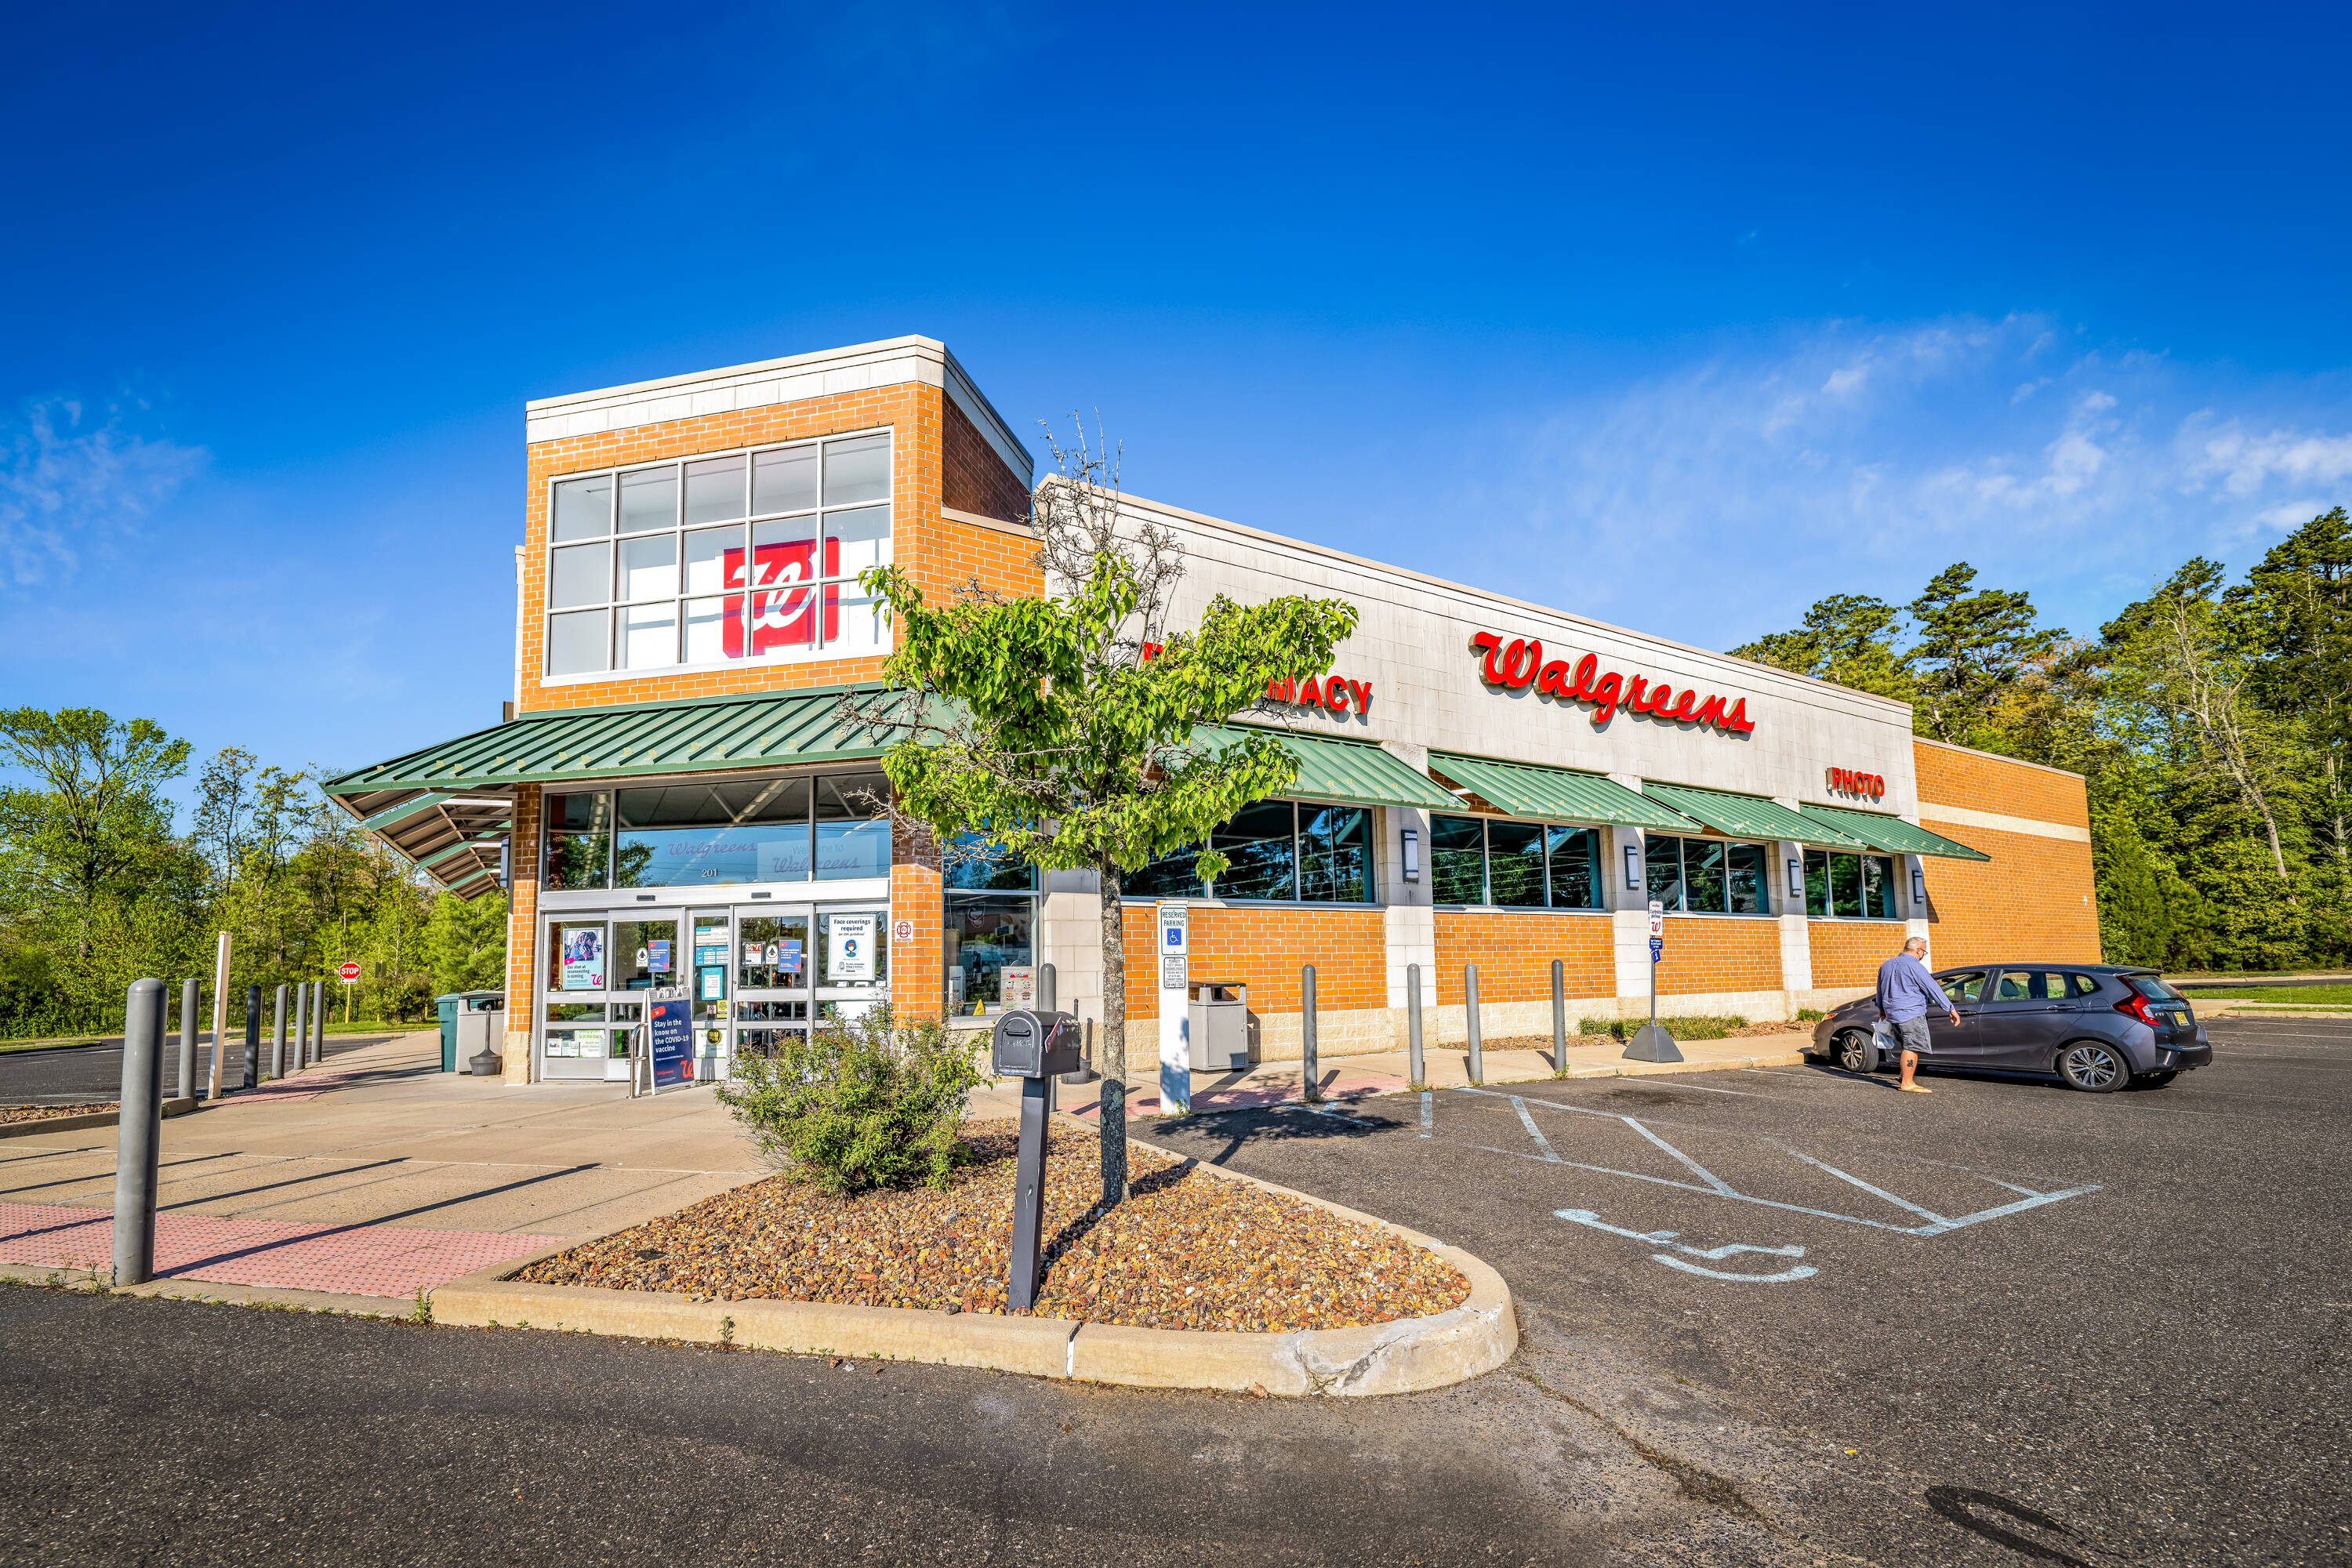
x=862, y=1102
x=1810, y=1014
x=1680, y=1029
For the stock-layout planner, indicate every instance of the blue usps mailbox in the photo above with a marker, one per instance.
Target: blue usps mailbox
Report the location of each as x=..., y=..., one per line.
x=670, y=1043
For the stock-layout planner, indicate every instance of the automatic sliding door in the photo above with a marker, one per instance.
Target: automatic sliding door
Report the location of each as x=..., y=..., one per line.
x=577, y=1042
x=772, y=979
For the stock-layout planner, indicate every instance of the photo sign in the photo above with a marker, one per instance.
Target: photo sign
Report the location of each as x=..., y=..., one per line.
x=672, y=1043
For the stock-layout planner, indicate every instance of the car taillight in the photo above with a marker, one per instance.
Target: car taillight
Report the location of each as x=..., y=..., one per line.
x=2136, y=1005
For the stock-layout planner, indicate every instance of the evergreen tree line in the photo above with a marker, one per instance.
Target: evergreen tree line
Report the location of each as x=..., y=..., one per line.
x=2212, y=719
x=99, y=885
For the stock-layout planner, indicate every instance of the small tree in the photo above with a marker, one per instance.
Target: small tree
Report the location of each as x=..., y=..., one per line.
x=1062, y=729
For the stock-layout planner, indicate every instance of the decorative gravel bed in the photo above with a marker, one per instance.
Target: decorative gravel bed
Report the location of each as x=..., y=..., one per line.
x=1187, y=1251
x=13, y=1113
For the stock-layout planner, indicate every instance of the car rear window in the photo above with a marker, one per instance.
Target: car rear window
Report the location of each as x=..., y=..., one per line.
x=2155, y=990
x=2083, y=985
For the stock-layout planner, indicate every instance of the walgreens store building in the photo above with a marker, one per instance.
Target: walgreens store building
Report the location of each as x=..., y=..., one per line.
x=674, y=802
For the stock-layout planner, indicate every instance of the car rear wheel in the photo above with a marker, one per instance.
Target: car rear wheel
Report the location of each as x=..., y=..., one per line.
x=1855, y=1052
x=2093, y=1066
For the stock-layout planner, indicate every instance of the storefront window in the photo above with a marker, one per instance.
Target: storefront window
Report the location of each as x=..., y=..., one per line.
x=852, y=950
x=713, y=835
x=987, y=934
x=775, y=953
x=750, y=556
x=645, y=954
x=1281, y=851
x=579, y=840
x=1854, y=886
x=1707, y=875
x=1514, y=865
x=706, y=836
x=977, y=866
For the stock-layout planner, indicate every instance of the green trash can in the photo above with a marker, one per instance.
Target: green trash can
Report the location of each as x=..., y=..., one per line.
x=455, y=1003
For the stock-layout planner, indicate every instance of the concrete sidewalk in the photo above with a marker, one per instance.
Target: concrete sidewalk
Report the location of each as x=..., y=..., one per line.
x=1387, y=1072
x=377, y=1177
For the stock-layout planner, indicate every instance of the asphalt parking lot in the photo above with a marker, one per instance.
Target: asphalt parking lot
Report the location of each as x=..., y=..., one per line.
x=94, y=1071
x=1784, y=1316
x=2124, y=1314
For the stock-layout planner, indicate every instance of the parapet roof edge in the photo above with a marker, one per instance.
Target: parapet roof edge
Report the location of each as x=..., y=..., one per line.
x=956, y=380
x=1309, y=547
x=1996, y=756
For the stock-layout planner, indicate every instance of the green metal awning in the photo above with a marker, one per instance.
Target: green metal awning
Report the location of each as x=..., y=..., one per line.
x=1751, y=817
x=700, y=735
x=1893, y=834
x=1555, y=794
x=1349, y=772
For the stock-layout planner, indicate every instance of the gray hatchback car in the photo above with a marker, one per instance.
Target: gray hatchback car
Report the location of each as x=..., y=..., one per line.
x=2099, y=1026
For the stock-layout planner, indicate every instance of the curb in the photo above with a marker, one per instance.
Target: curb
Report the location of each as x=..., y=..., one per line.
x=95, y=1119
x=1401, y=1357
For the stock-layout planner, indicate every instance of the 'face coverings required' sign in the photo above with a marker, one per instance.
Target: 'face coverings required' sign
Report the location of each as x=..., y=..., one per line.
x=850, y=940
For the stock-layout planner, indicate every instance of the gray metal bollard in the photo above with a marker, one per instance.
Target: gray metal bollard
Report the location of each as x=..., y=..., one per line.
x=252, y=1037
x=1559, y=1019
x=301, y=1026
x=139, y=1139
x=318, y=1022
x=189, y=1003
x=1470, y=1001
x=1412, y=1026
x=277, y=1035
x=1045, y=988
x=1311, y=1070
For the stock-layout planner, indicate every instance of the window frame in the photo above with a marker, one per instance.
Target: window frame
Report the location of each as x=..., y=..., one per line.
x=839, y=587
x=1544, y=829
x=1825, y=858
x=1764, y=892
x=1207, y=892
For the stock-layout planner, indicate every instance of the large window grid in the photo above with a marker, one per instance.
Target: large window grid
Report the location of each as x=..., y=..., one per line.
x=1850, y=887
x=1281, y=851
x=1489, y=862
x=992, y=925
x=1708, y=876
x=750, y=554
x=798, y=828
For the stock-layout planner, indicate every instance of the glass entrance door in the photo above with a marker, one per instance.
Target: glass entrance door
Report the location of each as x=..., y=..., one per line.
x=711, y=977
x=772, y=973
x=852, y=958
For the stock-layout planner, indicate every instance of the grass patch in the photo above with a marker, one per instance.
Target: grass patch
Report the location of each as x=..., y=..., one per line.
x=2308, y=995
x=1680, y=1029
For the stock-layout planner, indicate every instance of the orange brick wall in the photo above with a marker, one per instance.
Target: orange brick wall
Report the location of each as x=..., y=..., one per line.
x=976, y=479
x=961, y=554
x=1514, y=954
x=1266, y=947
x=917, y=980
x=2036, y=897
x=1960, y=777
x=1724, y=955
x=1848, y=952
x=522, y=906
x=2033, y=900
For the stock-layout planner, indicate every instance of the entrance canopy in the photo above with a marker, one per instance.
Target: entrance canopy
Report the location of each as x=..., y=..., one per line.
x=1893, y=834
x=1349, y=771
x=449, y=806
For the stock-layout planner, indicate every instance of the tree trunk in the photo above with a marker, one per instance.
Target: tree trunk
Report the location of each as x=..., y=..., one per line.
x=1114, y=1041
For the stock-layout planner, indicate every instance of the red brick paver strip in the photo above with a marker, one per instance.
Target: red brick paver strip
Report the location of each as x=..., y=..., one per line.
x=288, y=1089
x=350, y=1259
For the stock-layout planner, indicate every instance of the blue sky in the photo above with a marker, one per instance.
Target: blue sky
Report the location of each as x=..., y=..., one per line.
x=1678, y=318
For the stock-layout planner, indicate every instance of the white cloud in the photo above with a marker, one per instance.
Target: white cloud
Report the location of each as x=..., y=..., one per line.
x=70, y=483
x=1719, y=499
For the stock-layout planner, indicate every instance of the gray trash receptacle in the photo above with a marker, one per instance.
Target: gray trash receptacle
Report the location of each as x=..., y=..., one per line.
x=1219, y=1014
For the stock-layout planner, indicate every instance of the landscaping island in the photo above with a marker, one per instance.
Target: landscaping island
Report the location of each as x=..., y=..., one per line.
x=1188, y=1251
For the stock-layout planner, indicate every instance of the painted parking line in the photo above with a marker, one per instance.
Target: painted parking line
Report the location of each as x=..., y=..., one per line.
x=1923, y=1220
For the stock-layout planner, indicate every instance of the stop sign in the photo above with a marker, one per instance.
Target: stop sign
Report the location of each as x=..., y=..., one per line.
x=350, y=971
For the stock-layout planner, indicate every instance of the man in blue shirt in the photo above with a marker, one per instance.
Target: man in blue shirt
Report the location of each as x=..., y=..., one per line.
x=1906, y=992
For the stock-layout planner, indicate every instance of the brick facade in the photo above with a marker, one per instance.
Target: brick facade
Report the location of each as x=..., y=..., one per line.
x=1514, y=954
x=975, y=478
x=918, y=963
x=1265, y=948
x=1719, y=953
x=522, y=929
x=2036, y=897
x=1847, y=953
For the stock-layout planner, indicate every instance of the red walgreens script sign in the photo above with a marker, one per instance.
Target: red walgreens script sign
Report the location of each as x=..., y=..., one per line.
x=1521, y=664
x=784, y=597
